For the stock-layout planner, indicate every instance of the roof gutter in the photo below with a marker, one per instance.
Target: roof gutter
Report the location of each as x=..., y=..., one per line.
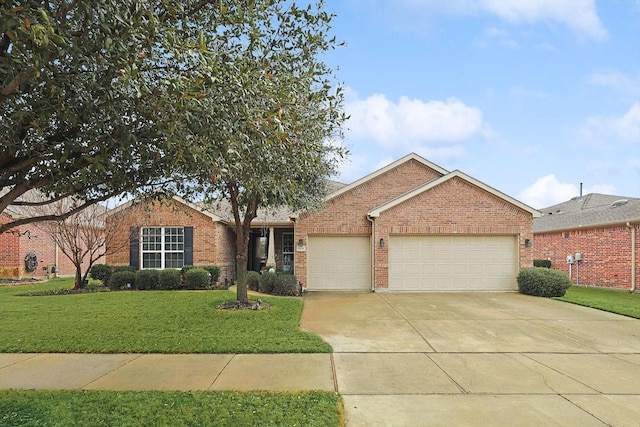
x=584, y=227
x=633, y=256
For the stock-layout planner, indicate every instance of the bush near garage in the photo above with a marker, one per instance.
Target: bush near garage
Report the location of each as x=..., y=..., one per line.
x=286, y=285
x=542, y=263
x=543, y=282
x=120, y=280
x=147, y=279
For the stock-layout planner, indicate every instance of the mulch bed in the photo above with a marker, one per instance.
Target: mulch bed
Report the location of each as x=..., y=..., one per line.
x=237, y=305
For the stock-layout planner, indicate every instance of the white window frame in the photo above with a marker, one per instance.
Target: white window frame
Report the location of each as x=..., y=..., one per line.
x=163, y=245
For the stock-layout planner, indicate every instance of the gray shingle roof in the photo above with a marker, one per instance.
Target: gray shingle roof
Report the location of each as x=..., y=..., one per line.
x=588, y=211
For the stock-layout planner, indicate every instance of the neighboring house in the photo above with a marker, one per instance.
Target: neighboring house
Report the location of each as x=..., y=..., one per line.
x=410, y=226
x=604, y=229
x=19, y=245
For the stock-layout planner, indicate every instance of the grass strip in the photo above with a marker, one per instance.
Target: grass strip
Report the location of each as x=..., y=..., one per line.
x=612, y=300
x=148, y=322
x=161, y=408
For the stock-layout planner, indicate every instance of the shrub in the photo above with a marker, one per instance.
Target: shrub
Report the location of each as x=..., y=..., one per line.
x=147, y=279
x=197, y=278
x=267, y=283
x=543, y=282
x=101, y=272
x=286, y=285
x=253, y=280
x=124, y=268
x=169, y=279
x=546, y=263
x=120, y=279
x=214, y=271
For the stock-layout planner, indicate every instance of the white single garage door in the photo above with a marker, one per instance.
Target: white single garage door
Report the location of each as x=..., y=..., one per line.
x=453, y=263
x=338, y=263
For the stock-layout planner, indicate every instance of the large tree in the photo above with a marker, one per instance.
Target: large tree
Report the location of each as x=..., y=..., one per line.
x=270, y=119
x=94, y=94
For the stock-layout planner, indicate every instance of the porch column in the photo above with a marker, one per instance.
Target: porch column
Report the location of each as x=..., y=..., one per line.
x=271, y=251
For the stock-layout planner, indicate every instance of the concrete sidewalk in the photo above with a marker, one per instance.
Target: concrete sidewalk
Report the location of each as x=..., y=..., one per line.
x=167, y=371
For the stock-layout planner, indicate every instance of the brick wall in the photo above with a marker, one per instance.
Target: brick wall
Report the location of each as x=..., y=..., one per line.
x=453, y=207
x=606, y=253
x=213, y=243
x=31, y=238
x=347, y=213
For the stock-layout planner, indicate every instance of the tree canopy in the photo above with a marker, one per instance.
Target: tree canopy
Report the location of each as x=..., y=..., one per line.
x=94, y=93
x=270, y=120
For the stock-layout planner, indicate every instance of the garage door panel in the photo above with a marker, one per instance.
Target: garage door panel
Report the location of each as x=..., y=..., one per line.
x=452, y=263
x=338, y=263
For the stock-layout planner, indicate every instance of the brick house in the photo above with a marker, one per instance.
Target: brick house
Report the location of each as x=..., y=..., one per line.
x=603, y=229
x=19, y=243
x=410, y=226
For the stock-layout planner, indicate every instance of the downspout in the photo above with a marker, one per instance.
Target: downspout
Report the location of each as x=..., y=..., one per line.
x=373, y=252
x=633, y=258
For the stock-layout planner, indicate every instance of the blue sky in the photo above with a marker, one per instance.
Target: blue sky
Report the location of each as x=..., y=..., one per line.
x=531, y=97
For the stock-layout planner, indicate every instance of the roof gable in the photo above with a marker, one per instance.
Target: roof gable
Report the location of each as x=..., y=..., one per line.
x=176, y=199
x=374, y=213
x=371, y=176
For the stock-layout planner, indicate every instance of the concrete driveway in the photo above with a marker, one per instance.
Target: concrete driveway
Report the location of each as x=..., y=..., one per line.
x=478, y=359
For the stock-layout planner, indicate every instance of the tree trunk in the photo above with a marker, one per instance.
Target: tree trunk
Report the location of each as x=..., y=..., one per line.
x=79, y=280
x=242, y=246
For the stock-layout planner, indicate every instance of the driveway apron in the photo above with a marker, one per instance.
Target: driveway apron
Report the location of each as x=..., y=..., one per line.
x=473, y=359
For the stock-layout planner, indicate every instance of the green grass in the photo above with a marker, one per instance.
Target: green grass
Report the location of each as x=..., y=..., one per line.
x=147, y=322
x=615, y=301
x=107, y=408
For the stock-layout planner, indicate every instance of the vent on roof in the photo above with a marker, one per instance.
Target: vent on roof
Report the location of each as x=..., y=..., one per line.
x=620, y=202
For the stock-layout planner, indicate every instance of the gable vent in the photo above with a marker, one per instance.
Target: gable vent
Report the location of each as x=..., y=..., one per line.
x=620, y=202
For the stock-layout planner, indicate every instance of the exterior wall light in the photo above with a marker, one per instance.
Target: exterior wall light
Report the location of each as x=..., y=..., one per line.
x=382, y=243
x=528, y=243
x=301, y=242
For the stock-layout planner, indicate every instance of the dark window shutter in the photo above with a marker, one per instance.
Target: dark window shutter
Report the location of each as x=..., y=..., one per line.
x=134, y=247
x=188, y=246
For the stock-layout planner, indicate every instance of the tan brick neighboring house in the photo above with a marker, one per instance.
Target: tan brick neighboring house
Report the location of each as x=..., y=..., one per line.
x=604, y=229
x=413, y=226
x=410, y=226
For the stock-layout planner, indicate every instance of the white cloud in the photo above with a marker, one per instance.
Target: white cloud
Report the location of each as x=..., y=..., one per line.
x=616, y=80
x=414, y=125
x=548, y=191
x=579, y=15
x=603, y=129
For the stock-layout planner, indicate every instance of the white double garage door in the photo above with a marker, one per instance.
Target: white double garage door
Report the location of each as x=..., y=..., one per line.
x=416, y=263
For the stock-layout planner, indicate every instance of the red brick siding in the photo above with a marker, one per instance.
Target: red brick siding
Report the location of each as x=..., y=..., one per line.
x=347, y=213
x=213, y=242
x=453, y=207
x=30, y=238
x=606, y=254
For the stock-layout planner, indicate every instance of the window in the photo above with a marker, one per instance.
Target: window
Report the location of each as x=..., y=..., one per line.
x=162, y=247
x=287, y=252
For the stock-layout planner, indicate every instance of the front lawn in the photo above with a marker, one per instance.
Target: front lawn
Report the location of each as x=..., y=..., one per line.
x=613, y=300
x=160, y=408
x=147, y=322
